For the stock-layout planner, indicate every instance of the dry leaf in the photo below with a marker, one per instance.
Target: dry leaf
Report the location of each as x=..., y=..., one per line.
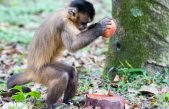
x=149, y=89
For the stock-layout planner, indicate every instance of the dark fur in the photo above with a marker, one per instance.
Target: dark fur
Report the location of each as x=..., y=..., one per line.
x=84, y=7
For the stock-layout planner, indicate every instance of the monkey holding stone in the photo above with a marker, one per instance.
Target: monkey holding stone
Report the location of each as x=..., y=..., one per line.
x=64, y=29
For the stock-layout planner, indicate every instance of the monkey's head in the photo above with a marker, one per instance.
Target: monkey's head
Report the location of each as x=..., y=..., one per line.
x=81, y=12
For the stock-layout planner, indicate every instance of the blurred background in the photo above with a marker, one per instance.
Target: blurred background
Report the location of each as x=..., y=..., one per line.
x=20, y=18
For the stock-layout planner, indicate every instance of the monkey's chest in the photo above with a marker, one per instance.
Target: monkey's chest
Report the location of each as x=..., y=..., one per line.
x=58, y=53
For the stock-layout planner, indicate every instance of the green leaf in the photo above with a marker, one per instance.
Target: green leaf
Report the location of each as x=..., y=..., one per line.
x=128, y=64
x=19, y=97
x=166, y=96
x=34, y=94
x=18, y=88
x=39, y=104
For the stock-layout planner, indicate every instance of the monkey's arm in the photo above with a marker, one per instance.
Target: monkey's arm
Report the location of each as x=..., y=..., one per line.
x=76, y=41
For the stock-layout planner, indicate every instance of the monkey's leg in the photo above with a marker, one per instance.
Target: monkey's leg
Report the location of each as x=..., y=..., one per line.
x=19, y=79
x=72, y=87
x=56, y=89
x=72, y=82
x=56, y=79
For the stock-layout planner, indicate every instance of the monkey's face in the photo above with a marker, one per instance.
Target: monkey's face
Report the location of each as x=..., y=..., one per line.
x=83, y=26
x=84, y=19
x=79, y=19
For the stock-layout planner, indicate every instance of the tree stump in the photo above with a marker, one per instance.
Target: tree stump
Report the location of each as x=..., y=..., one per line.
x=104, y=101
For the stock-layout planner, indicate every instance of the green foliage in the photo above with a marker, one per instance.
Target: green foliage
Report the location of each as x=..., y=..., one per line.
x=129, y=78
x=132, y=79
x=38, y=104
x=136, y=77
x=34, y=94
x=21, y=96
x=19, y=88
x=15, y=35
x=166, y=96
x=26, y=11
x=18, y=16
x=130, y=73
x=86, y=81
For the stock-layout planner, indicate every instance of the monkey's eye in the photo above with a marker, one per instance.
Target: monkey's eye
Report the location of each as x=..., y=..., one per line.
x=83, y=23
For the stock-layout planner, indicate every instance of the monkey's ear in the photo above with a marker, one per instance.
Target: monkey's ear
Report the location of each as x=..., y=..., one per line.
x=73, y=13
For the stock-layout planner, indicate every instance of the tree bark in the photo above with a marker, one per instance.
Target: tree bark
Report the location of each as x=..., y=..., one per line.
x=142, y=37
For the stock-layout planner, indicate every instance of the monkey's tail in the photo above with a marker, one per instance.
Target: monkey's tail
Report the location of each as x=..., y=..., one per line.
x=17, y=79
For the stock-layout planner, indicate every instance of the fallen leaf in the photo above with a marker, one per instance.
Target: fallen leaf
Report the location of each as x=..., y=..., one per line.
x=149, y=89
x=116, y=79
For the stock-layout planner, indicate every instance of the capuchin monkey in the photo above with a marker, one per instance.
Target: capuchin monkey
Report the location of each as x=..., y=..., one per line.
x=64, y=29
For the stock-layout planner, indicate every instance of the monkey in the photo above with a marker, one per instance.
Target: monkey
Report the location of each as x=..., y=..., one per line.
x=65, y=29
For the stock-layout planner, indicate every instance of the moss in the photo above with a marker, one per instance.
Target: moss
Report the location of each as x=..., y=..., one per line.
x=144, y=30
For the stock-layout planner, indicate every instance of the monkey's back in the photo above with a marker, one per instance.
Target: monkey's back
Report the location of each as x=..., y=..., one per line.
x=46, y=43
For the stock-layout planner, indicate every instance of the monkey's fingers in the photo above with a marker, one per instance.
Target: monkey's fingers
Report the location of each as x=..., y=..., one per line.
x=110, y=29
x=108, y=26
x=107, y=22
x=107, y=18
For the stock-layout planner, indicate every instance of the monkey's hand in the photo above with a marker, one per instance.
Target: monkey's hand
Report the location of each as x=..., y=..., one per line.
x=104, y=24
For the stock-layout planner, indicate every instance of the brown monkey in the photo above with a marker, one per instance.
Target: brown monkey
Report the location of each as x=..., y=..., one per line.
x=64, y=29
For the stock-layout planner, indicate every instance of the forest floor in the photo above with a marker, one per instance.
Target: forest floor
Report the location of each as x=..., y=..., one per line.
x=18, y=22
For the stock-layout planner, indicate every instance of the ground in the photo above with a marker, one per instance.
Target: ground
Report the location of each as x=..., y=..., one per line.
x=19, y=20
